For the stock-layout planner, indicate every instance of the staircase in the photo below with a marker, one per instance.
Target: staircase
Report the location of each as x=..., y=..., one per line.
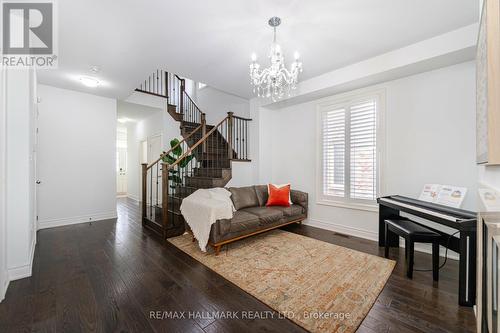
x=202, y=159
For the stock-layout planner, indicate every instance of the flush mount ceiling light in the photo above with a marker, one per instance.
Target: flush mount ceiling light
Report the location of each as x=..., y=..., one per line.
x=276, y=80
x=91, y=82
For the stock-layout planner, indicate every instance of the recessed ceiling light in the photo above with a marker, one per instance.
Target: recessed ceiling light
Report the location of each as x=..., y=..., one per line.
x=89, y=81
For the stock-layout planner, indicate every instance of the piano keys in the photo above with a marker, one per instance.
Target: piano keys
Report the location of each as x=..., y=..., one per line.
x=461, y=220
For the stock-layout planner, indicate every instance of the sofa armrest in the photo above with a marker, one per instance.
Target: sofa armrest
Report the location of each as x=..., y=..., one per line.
x=300, y=198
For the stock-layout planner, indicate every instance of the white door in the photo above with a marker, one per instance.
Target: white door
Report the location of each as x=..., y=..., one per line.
x=155, y=148
x=121, y=171
x=154, y=182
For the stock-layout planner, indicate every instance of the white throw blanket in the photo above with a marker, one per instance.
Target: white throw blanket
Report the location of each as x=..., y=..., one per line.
x=202, y=208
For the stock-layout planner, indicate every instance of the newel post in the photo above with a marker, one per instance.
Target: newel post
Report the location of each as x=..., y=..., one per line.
x=144, y=190
x=230, y=135
x=164, y=198
x=204, y=130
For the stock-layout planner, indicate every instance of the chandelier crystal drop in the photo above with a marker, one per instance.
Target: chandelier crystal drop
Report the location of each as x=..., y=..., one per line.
x=276, y=80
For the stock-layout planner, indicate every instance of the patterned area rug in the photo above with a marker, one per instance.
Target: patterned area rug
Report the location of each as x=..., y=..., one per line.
x=320, y=286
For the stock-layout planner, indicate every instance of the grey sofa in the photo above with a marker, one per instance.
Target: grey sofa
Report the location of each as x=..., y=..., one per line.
x=253, y=217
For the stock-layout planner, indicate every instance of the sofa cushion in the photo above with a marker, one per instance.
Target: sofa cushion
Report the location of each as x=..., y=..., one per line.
x=262, y=194
x=266, y=214
x=243, y=197
x=241, y=221
x=293, y=210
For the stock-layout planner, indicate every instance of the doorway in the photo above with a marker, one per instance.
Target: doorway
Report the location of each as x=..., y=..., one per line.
x=121, y=162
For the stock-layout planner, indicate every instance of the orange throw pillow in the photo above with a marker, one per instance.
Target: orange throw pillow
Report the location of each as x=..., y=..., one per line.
x=278, y=196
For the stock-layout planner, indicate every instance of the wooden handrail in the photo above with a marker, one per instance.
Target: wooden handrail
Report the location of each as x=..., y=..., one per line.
x=237, y=117
x=190, y=150
x=174, y=147
x=150, y=93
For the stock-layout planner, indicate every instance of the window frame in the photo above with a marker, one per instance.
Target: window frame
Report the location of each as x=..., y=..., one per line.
x=344, y=101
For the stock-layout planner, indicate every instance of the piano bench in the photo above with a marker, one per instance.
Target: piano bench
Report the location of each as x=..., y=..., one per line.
x=413, y=233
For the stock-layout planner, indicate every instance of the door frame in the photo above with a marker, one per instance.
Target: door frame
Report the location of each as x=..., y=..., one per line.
x=4, y=280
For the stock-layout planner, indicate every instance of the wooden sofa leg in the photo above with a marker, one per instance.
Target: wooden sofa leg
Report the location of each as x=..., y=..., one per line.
x=217, y=249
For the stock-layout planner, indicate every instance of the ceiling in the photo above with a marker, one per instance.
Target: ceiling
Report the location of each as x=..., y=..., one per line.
x=211, y=41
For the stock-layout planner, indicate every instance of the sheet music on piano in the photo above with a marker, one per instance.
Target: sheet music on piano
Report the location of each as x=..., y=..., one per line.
x=447, y=195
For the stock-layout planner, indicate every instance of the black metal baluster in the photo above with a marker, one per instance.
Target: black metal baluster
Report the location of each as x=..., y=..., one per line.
x=157, y=165
x=157, y=90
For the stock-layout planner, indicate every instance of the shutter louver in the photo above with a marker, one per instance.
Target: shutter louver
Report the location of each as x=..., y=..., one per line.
x=334, y=135
x=363, y=150
x=349, y=143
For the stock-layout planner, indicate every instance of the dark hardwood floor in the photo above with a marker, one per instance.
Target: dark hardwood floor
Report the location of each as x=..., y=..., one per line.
x=110, y=275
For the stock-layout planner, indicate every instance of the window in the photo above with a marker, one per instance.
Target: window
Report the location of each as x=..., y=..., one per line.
x=349, y=151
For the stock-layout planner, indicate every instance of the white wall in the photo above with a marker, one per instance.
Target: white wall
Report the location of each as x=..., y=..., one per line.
x=4, y=280
x=77, y=157
x=19, y=167
x=430, y=138
x=216, y=104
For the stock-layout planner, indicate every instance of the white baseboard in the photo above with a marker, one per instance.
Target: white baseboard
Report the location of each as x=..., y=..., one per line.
x=370, y=235
x=52, y=223
x=21, y=272
x=133, y=197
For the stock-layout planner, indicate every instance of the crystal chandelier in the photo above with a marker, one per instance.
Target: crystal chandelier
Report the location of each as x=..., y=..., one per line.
x=276, y=80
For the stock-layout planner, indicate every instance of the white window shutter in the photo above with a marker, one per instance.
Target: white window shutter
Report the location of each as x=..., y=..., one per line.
x=363, y=150
x=334, y=135
x=349, y=141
